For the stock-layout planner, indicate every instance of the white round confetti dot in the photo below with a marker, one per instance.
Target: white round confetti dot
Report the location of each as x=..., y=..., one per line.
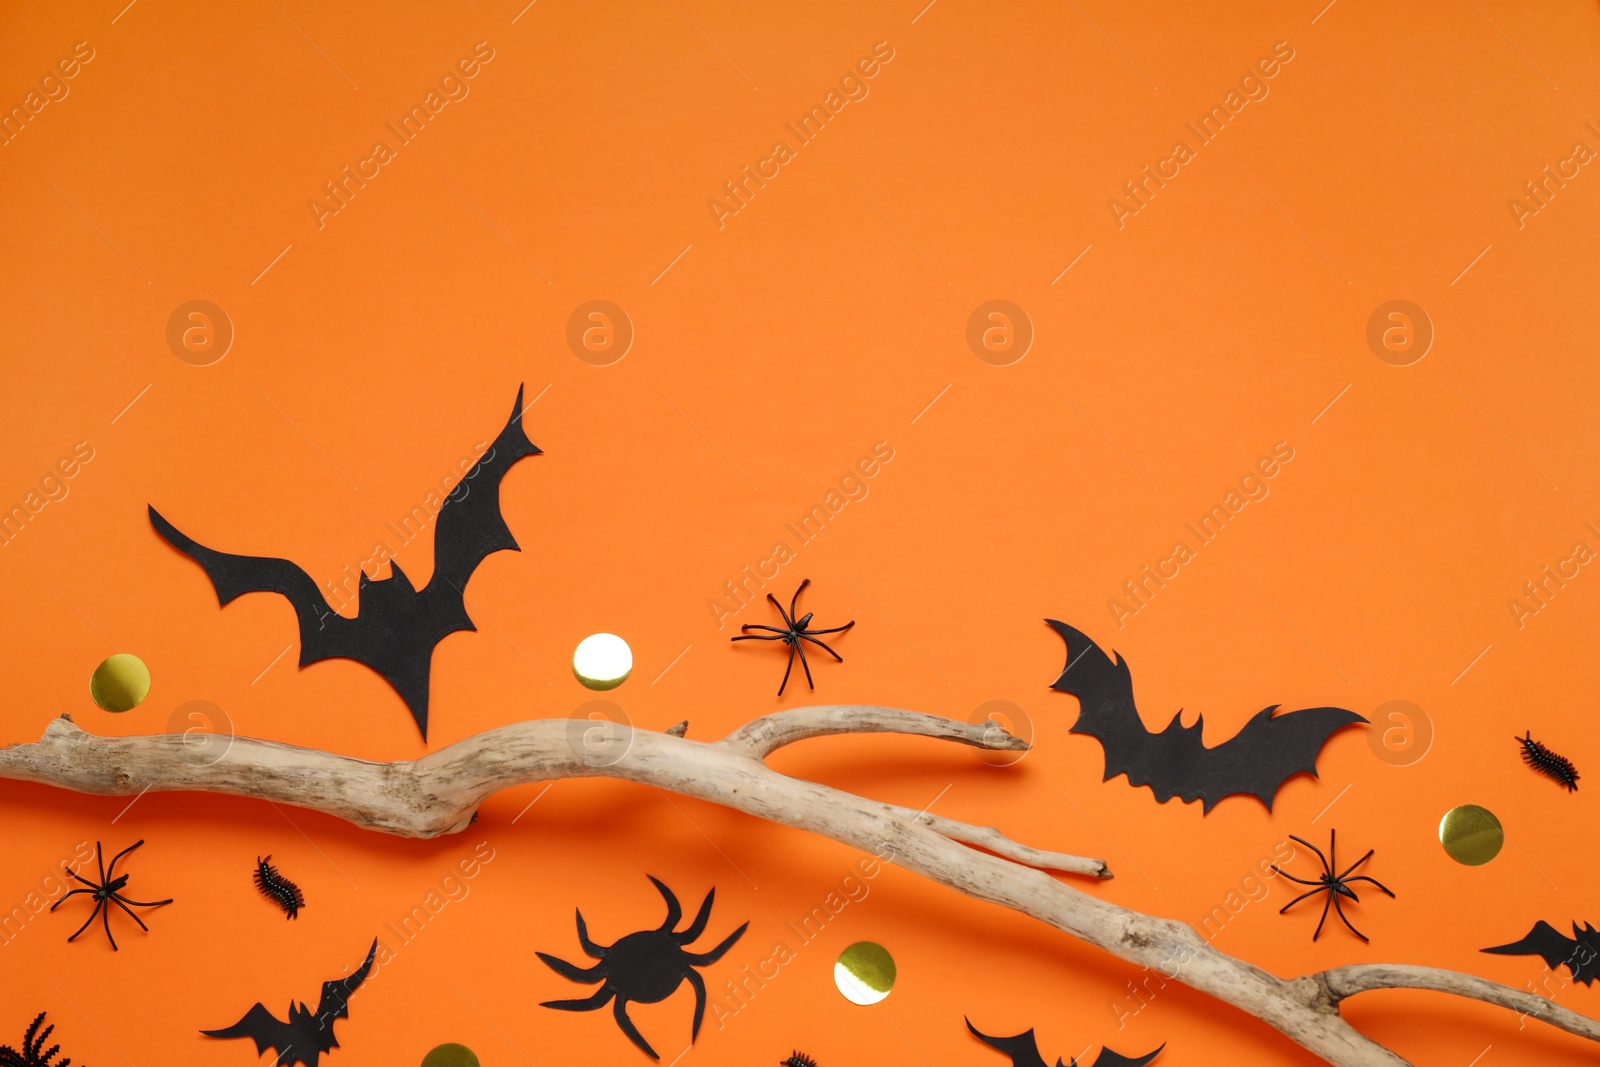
x=602, y=661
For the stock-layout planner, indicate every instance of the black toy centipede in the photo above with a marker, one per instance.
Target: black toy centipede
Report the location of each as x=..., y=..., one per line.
x=797, y=1059
x=1550, y=764
x=278, y=889
x=33, y=1053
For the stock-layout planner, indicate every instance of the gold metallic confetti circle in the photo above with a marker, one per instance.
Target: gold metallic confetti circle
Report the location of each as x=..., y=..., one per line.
x=120, y=683
x=451, y=1055
x=1472, y=835
x=864, y=973
x=602, y=661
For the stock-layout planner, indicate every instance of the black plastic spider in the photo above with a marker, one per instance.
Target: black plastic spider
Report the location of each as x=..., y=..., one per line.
x=647, y=966
x=795, y=631
x=1335, y=885
x=107, y=892
x=33, y=1053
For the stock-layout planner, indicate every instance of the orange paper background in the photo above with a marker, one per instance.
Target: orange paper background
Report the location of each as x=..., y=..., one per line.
x=772, y=352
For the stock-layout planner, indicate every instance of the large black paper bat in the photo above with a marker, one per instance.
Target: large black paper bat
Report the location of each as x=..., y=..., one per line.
x=1024, y=1051
x=307, y=1034
x=1266, y=752
x=396, y=626
x=1580, y=952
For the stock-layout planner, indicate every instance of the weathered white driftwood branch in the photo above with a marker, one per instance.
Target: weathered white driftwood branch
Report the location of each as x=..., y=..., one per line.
x=440, y=793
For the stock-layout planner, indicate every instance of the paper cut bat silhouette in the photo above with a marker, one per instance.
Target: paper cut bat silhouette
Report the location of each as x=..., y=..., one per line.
x=1024, y=1051
x=307, y=1034
x=1580, y=953
x=396, y=625
x=1266, y=752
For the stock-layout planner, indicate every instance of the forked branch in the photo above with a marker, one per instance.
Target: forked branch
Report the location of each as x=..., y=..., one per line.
x=440, y=793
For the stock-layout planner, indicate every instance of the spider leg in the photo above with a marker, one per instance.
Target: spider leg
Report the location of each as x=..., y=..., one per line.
x=747, y=627
x=594, y=1003
x=97, y=906
x=1357, y=863
x=699, y=1002
x=64, y=896
x=1326, y=865
x=572, y=971
x=758, y=637
x=1291, y=877
x=1298, y=899
x=703, y=958
x=100, y=859
x=787, y=620
x=834, y=629
x=105, y=920
x=142, y=903
x=1374, y=881
x=674, y=909
x=698, y=927
x=1347, y=922
x=80, y=877
x=112, y=869
x=824, y=647
x=620, y=1010
x=594, y=950
x=798, y=647
x=1325, y=905
x=805, y=582
x=785, y=683
x=129, y=910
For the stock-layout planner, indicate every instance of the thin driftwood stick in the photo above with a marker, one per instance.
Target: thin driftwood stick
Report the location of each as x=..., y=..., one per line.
x=439, y=794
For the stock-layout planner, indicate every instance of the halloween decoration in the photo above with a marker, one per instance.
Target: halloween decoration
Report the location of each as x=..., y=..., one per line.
x=1024, y=1051
x=106, y=892
x=1266, y=752
x=1557, y=768
x=1336, y=885
x=796, y=628
x=797, y=1059
x=1471, y=834
x=647, y=967
x=865, y=973
x=120, y=683
x=307, y=1034
x=278, y=889
x=33, y=1053
x=396, y=625
x=1580, y=953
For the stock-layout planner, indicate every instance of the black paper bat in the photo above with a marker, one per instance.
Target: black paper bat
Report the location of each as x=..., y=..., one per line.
x=396, y=626
x=1024, y=1051
x=1266, y=752
x=1580, y=952
x=307, y=1034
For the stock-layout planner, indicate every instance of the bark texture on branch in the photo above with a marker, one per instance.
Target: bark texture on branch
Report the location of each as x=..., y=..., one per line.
x=439, y=794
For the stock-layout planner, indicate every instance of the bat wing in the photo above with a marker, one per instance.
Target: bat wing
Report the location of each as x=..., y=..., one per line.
x=233, y=576
x=1023, y=1048
x=1175, y=762
x=268, y=1031
x=1108, y=1058
x=1556, y=948
x=335, y=1002
x=470, y=526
